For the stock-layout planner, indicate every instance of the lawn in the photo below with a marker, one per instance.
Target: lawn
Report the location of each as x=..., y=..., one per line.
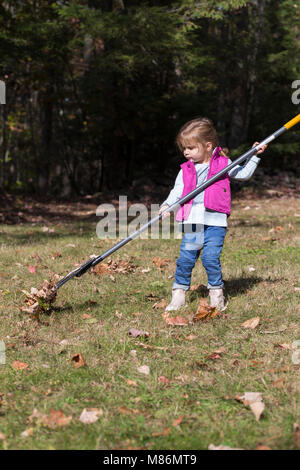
x=80, y=355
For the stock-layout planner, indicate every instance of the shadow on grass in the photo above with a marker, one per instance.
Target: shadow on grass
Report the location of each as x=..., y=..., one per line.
x=234, y=286
x=91, y=304
x=240, y=285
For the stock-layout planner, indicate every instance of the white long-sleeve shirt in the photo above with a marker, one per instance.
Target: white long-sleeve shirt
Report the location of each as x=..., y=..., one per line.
x=199, y=214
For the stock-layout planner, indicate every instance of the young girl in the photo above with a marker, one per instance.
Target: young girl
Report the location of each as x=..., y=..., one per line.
x=204, y=218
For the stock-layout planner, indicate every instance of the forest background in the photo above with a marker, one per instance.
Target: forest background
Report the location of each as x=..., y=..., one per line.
x=97, y=90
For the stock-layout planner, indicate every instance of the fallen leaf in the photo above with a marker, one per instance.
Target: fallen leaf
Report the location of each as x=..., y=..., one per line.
x=127, y=411
x=20, y=365
x=130, y=382
x=151, y=297
x=119, y=315
x=86, y=315
x=174, y=321
x=251, y=323
x=78, y=360
x=216, y=354
x=221, y=447
x=123, y=409
x=27, y=433
x=279, y=383
x=101, y=268
x=178, y=421
x=144, y=370
x=191, y=337
x=56, y=418
x=255, y=363
x=165, y=432
x=205, y=311
x=257, y=408
x=201, y=365
x=213, y=356
x=163, y=380
x=146, y=270
x=161, y=304
x=134, y=333
x=159, y=262
x=249, y=397
x=90, y=415
x=254, y=400
x=283, y=346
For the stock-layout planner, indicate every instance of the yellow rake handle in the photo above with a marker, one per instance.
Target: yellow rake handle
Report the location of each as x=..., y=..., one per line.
x=292, y=122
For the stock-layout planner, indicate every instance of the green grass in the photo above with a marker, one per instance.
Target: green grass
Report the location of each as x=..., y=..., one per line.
x=201, y=390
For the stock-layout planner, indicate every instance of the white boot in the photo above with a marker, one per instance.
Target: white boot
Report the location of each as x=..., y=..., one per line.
x=178, y=299
x=217, y=299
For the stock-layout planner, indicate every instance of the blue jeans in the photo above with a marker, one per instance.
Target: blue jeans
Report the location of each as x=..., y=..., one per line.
x=211, y=240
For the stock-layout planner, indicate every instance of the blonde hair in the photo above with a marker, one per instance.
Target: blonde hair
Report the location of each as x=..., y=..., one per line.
x=199, y=130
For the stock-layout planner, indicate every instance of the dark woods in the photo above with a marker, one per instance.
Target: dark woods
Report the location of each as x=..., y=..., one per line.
x=96, y=90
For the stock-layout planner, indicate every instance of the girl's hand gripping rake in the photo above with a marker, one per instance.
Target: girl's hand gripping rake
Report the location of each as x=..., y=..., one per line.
x=92, y=262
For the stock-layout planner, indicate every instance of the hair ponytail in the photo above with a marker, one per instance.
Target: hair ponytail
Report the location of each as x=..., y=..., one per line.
x=224, y=152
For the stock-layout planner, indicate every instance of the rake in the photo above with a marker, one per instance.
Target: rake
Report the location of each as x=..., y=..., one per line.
x=92, y=262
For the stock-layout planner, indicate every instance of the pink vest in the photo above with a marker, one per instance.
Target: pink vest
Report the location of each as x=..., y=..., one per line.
x=217, y=196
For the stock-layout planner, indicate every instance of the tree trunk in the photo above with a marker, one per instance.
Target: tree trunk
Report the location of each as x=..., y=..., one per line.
x=221, y=107
x=45, y=154
x=4, y=144
x=243, y=94
x=258, y=28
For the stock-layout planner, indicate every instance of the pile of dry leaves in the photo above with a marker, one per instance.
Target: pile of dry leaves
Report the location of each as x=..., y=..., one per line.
x=119, y=266
x=39, y=300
